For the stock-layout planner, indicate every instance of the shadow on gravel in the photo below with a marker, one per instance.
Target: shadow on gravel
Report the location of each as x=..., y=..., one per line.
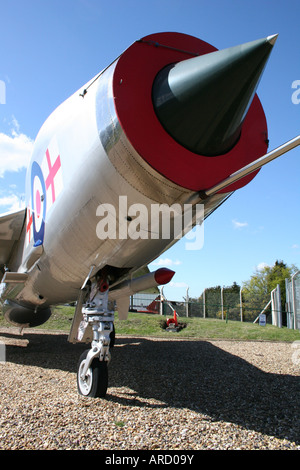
x=185, y=374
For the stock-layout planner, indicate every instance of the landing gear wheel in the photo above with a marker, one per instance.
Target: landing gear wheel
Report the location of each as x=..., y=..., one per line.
x=95, y=382
x=112, y=337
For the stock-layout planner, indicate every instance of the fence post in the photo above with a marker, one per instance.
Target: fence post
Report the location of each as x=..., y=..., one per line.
x=274, y=316
x=161, y=298
x=263, y=310
x=279, y=307
x=287, y=304
x=276, y=307
x=241, y=304
x=294, y=299
x=204, y=312
x=187, y=302
x=222, y=303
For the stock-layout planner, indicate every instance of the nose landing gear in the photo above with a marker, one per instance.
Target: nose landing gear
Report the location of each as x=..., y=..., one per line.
x=92, y=371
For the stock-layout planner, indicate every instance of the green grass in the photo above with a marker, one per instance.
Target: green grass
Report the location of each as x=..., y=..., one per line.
x=199, y=328
x=141, y=324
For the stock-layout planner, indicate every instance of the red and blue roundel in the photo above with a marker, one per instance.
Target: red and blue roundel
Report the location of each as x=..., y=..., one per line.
x=38, y=202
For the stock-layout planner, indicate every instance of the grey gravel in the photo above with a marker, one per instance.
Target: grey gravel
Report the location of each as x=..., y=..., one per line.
x=164, y=394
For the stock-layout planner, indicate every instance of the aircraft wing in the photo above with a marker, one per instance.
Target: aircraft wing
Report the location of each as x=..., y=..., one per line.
x=11, y=225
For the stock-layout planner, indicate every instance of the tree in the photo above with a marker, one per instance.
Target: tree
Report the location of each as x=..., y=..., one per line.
x=213, y=303
x=257, y=291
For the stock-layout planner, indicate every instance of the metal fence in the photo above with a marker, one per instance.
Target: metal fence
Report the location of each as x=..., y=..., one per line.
x=293, y=301
x=228, y=304
x=213, y=303
x=216, y=303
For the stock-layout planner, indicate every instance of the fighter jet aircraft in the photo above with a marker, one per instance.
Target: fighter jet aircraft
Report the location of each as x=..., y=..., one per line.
x=172, y=124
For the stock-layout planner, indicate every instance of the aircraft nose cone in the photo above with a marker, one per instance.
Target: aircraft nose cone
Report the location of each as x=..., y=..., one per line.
x=202, y=102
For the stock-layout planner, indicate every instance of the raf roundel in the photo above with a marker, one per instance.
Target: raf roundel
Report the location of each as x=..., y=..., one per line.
x=38, y=201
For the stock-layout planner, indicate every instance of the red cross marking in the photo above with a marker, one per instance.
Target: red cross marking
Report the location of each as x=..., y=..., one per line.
x=52, y=173
x=28, y=226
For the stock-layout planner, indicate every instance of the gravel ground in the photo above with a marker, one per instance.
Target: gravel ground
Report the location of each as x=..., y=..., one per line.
x=164, y=394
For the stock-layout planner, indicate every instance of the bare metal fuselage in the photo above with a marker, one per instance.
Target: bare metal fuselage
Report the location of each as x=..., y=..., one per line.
x=103, y=154
x=98, y=164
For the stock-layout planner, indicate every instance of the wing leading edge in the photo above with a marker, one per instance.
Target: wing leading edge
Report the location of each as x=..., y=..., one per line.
x=11, y=225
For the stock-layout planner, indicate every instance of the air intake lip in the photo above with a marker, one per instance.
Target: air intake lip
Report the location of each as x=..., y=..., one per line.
x=132, y=89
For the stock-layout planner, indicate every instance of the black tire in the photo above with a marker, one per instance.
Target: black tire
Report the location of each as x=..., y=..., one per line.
x=96, y=382
x=112, y=337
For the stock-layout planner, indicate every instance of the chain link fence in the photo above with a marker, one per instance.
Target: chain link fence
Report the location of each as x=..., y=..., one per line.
x=228, y=304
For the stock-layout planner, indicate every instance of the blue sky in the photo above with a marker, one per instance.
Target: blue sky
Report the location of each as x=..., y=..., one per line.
x=50, y=48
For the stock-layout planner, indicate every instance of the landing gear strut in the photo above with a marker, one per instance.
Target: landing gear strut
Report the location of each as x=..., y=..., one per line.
x=92, y=373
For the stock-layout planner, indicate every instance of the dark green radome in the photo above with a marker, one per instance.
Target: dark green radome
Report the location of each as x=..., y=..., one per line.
x=202, y=102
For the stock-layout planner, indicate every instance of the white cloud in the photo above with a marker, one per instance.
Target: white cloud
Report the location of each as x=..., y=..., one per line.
x=15, y=150
x=238, y=225
x=11, y=203
x=166, y=262
x=178, y=284
x=295, y=246
x=262, y=266
x=16, y=126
